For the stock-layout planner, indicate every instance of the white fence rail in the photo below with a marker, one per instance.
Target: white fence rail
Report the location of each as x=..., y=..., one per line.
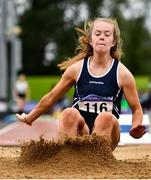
x=125, y=125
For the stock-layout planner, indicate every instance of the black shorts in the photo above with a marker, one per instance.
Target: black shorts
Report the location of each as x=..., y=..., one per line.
x=89, y=119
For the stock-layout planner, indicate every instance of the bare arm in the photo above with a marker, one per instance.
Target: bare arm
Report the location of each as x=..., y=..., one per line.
x=50, y=98
x=127, y=81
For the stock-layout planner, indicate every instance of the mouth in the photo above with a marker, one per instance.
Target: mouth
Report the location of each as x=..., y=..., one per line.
x=101, y=44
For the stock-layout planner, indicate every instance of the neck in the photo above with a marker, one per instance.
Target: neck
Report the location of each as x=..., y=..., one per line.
x=103, y=60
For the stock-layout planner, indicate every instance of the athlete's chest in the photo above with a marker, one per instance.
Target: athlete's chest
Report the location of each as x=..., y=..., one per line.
x=100, y=86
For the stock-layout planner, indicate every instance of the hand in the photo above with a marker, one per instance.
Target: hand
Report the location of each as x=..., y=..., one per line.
x=23, y=118
x=138, y=131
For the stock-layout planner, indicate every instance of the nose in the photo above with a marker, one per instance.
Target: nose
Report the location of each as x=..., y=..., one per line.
x=102, y=36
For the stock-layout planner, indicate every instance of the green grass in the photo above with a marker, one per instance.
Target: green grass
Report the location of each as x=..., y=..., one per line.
x=40, y=85
x=142, y=82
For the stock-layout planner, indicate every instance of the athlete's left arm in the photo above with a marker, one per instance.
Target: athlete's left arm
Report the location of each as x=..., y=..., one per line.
x=128, y=84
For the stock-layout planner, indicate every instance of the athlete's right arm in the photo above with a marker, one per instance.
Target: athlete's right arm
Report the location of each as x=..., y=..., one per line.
x=65, y=83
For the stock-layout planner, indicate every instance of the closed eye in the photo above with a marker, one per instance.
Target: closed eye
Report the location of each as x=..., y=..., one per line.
x=107, y=33
x=97, y=34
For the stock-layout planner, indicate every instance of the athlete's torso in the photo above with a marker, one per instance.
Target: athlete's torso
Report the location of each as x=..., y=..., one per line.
x=21, y=87
x=98, y=92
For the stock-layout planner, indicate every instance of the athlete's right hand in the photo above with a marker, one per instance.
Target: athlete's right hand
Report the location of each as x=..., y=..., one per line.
x=23, y=118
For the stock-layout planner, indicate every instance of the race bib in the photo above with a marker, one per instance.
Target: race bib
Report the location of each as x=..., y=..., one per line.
x=96, y=106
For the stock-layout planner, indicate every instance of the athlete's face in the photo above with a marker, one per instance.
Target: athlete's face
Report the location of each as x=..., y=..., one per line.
x=102, y=37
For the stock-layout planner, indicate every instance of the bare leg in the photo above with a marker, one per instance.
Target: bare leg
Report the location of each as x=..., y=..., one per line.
x=106, y=124
x=72, y=123
x=21, y=104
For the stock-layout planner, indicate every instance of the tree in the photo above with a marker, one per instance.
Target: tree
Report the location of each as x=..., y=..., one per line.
x=137, y=47
x=53, y=22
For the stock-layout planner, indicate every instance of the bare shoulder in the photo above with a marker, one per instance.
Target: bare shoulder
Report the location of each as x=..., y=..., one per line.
x=77, y=66
x=125, y=76
x=74, y=70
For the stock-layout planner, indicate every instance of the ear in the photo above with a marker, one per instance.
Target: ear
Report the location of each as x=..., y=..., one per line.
x=90, y=41
x=114, y=42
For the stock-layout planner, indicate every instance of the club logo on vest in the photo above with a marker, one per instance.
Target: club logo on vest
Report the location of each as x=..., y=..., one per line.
x=96, y=82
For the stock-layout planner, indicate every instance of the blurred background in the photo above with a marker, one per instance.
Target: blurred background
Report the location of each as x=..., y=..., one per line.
x=36, y=35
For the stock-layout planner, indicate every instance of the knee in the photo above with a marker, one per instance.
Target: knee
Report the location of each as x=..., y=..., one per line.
x=69, y=116
x=106, y=117
x=69, y=112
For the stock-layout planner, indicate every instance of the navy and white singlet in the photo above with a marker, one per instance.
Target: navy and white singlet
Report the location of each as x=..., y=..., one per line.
x=95, y=94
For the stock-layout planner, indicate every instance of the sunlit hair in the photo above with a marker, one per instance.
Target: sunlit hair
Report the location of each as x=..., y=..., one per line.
x=84, y=49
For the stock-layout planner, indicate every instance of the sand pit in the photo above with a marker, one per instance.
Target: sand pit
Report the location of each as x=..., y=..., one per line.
x=87, y=157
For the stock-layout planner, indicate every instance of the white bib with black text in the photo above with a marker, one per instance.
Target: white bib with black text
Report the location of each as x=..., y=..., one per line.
x=96, y=104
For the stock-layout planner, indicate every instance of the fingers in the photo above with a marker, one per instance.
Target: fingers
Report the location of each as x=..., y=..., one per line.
x=141, y=130
x=138, y=131
x=23, y=118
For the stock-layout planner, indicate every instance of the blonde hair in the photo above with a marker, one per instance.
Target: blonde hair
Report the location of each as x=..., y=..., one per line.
x=84, y=49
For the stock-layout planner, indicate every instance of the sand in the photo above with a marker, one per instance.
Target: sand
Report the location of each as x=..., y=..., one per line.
x=80, y=157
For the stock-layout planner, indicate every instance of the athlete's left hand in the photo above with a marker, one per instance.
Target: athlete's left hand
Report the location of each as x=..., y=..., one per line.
x=138, y=131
